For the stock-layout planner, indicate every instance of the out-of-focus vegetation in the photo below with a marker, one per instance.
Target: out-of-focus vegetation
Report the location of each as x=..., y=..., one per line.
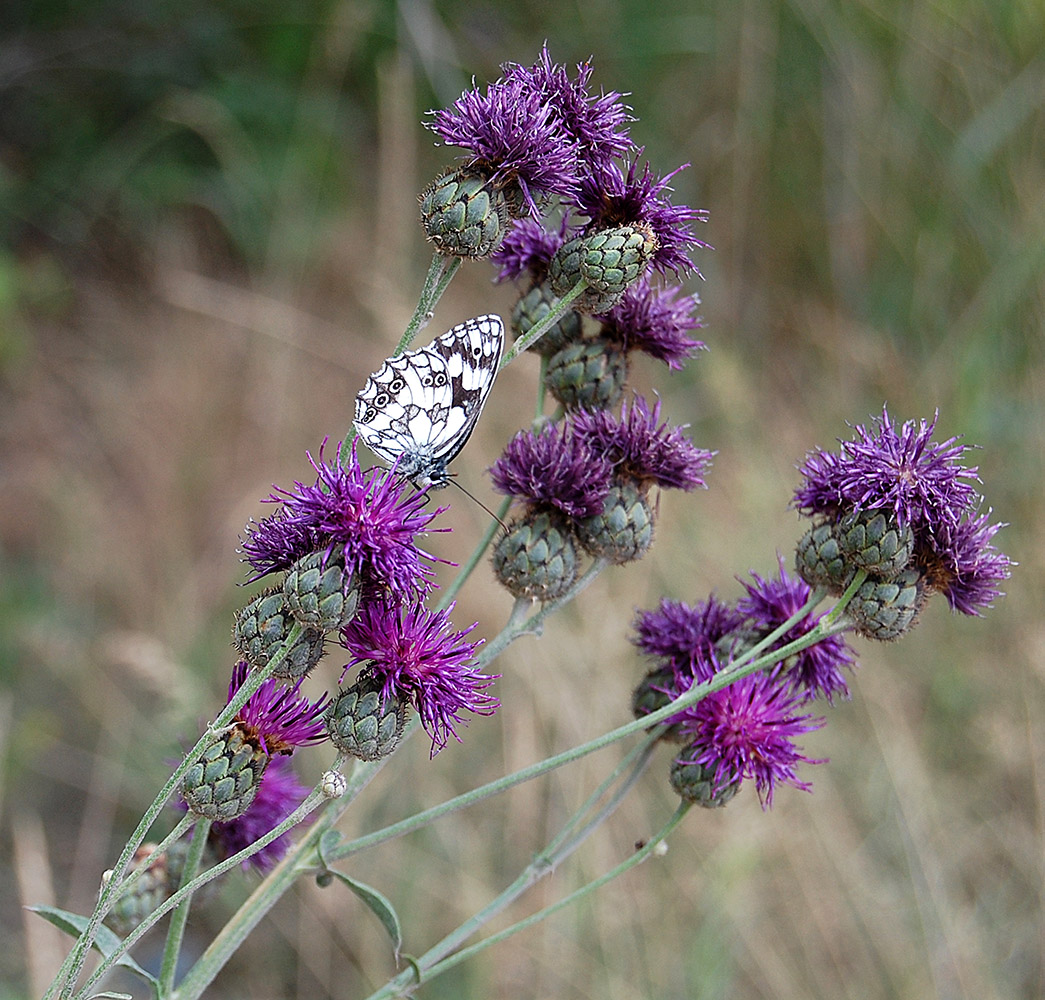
x=208, y=239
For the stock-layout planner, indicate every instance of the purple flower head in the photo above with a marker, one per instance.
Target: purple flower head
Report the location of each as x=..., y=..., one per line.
x=278, y=795
x=899, y=468
x=639, y=449
x=817, y=669
x=513, y=132
x=960, y=562
x=555, y=469
x=421, y=659
x=598, y=125
x=655, y=322
x=685, y=636
x=746, y=731
x=611, y=198
x=528, y=249
x=365, y=517
x=278, y=716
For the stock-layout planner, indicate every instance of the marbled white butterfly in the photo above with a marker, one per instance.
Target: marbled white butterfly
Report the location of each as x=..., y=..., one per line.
x=421, y=407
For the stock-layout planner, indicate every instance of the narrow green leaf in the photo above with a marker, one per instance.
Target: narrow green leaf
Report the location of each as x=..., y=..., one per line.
x=379, y=905
x=329, y=840
x=106, y=942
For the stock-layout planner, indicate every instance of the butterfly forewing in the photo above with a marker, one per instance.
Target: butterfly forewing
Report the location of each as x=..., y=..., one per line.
x=421, y=407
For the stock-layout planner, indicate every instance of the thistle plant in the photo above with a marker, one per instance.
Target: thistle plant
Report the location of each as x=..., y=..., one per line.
x=551, y=190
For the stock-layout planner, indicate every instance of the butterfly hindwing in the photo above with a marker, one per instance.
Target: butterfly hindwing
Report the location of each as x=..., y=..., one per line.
x=421, y=407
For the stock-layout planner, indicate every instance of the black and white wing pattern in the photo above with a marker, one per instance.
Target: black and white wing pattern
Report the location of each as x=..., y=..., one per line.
x=421, y=407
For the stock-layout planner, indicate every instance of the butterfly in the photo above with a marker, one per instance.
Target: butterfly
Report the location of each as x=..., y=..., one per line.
x=420, y=408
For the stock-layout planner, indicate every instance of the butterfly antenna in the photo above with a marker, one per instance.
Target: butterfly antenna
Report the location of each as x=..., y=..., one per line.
x=480, y=503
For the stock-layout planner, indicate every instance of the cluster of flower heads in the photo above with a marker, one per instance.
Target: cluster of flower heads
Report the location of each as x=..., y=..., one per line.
x=349, y=548
x=552, y=187
x=745, y=730
x=586, y=482
x=893, y=505
x=904, y=509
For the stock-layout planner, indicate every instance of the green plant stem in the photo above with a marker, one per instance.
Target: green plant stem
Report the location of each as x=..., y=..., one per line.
x=65, y=981
x=538, y=330
x=433, y=962
x=440, y=273
x=180, y=916
x=469, y=565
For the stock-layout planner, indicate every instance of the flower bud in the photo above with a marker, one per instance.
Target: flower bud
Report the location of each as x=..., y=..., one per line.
x=222, y=782
x=652, y=694
x=531, y=308
x=319, y=593
x=885, y=609
x=364, y=723
x=587, y=374
x=463, y=214
x=263, y=625
x=334, y=784
x=537, y=558
x=820, y=561
x=696, y=783
x=623, y=531
x=608, y=260
x=136, y=902
x=874, y=541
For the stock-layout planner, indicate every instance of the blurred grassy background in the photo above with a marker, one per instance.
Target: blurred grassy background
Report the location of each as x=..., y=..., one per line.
x=208, y=240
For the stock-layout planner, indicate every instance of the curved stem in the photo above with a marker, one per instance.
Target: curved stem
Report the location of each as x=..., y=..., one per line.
x=430, y=961
x=538, y=330
x=440, y=273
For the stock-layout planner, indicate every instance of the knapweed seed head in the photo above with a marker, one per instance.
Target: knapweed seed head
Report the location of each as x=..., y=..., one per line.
x=930, y=492
x=514, y=134
x=225, y=778
x=417, y=656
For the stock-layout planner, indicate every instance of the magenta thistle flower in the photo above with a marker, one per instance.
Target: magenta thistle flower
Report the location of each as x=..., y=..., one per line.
x=655, y=322
x=513, y=132
x=746, y=731
x=553, y=468
x=365, y=517
x=421, y=659
x=528, y=249
x=899, y=468
x=278, y=716
x=278, y=795
x=960, y=562
x=817, y=669
x=610, y=198
x=598, y=125
x=685, y=636
x=642, y=450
